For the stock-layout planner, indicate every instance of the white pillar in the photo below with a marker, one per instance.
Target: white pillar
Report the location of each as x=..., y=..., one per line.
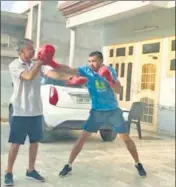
x=38, y=26
x=72, y=46
x=30, y=23
x=163, y=95
x=134, y=83
x=105, y=55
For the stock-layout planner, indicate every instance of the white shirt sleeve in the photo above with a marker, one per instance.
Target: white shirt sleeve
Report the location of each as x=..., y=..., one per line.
x=16, y=68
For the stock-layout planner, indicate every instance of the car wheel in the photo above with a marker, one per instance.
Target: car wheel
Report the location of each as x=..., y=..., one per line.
x=108, y=135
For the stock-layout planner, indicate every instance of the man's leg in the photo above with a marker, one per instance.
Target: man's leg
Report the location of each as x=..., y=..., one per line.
x=12, y=157
x=120, y=126
x=78, y=146
x=133, y=151
x=33, y=149
x=18, y=133
x=130, y=146
x=92, y=125
x=35, y=135
x=74, y=153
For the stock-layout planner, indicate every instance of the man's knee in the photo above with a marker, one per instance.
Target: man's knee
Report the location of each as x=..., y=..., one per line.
x=33, y=144
x=124, y=137
x=84, y=136
x=15, y=146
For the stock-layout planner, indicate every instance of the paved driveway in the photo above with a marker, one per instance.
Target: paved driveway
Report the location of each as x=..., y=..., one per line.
x=99, y=165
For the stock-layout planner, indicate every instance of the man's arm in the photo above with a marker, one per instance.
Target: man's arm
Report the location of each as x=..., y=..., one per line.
x=32, y=73
x=67, y=70
x=71, y=75
x=116, y=87
x=56, y=75
x=19, y=71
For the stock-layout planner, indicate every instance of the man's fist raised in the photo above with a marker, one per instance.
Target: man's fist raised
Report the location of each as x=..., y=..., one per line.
x=46, y=54
x=105, y=72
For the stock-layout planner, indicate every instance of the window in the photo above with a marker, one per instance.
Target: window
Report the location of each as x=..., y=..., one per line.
x=4, y=40
x=149, y=110
x=122, y=72
x=4, y=45
x=172, y=64
x=46, y=80
x=151, y=48
x=8, y=41
x=129, y=75
x=117, y=69
x=111, y=53
x=130, y=50
x=173, y=45
x=121, y=93
x=148, y=77
x=120, y=51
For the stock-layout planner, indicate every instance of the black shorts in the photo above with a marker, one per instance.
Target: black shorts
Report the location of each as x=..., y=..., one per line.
x=21, y=127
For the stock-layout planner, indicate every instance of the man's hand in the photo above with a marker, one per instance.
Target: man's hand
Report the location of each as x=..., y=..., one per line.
x=32, y=73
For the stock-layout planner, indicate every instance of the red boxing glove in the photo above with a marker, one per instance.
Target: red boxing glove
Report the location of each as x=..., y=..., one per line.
x=76, y=80
x=105, y=72
x=46, y=54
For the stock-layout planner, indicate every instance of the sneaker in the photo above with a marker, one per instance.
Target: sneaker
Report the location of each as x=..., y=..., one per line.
x=141, y=170
x=34, y=175
x=66, y=170
x=8, y=179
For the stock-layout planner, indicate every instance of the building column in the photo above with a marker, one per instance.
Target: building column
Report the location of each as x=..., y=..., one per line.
x=105, y=55
x=134, y=83
x=28, y=31
x=38, y=38
x=72, y=46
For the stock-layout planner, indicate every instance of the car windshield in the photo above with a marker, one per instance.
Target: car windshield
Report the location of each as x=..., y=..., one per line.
x=46, y=80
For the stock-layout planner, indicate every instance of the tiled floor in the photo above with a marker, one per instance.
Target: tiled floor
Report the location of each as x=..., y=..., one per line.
x=99, y=165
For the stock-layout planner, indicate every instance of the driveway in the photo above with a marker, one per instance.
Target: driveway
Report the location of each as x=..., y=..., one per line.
x=99, y=165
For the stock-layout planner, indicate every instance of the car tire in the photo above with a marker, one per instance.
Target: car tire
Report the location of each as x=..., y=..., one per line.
x=108, y=135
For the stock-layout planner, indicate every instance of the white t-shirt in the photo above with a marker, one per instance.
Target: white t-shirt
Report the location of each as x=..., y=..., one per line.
x=26, y=98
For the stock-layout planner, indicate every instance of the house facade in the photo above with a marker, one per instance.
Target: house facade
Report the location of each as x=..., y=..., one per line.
x=46, y=25
x=12, y=30
x=138, y=39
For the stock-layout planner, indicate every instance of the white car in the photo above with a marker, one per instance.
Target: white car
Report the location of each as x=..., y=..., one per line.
x=65, y=107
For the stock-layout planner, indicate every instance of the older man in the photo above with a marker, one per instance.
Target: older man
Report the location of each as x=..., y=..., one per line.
x=27, y=109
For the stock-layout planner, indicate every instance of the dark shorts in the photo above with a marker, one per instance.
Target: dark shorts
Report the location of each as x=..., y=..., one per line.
x=21, y=127
x=113, y=118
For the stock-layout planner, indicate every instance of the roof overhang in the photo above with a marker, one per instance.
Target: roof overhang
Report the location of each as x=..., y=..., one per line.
x=72, y=8
x=13, y=18
x=82, y=12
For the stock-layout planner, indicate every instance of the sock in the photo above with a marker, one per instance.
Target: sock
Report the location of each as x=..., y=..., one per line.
x=70, y=165
x=137, y=163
